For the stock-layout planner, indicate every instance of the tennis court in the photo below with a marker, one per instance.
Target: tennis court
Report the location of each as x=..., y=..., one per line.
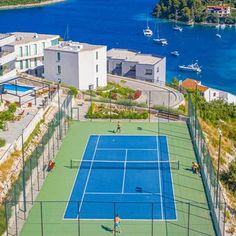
x=183, y=211
x=122, y=169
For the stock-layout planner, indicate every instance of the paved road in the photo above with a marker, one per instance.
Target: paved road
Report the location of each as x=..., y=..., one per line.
x=159, y=95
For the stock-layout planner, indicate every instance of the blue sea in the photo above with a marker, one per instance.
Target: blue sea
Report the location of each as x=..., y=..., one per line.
x=120, y=24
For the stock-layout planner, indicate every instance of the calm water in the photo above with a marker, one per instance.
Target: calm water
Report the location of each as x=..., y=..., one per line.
x=120, y=24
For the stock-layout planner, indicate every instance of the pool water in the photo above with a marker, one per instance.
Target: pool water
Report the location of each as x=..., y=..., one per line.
x=18, y=88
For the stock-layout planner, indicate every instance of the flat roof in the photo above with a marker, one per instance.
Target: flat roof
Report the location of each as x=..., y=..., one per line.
x=148, y=59
x=3, y=36
x=74, y=47
x=26, y=37
x=123, y=54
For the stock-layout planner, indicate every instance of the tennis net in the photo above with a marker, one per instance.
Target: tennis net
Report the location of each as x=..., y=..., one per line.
x=104, y=164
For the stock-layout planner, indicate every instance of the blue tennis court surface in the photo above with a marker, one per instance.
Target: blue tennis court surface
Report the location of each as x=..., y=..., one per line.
x=132, y=171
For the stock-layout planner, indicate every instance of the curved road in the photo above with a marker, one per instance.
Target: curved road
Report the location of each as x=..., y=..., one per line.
x=159, y=95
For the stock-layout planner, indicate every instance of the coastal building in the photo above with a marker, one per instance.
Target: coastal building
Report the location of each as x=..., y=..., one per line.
x=221, y=10
x=7, y=58
x=209, y=94
x=76, y=64
x=29, y=49
x=133, y=64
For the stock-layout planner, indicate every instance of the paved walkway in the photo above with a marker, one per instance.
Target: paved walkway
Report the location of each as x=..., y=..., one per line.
x=159, y=95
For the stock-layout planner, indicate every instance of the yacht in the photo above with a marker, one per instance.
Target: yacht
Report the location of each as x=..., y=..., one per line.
x=178, y=28
x=192, y=67
x=175, y=53
x=147, y=32
x=161, y=41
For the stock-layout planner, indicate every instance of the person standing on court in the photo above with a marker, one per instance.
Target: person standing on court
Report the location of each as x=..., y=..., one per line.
x=118, y=128
x=116, y=224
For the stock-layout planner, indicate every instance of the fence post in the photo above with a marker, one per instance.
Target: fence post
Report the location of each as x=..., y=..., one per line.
x=31, y=181
x=23, y=171
x=114, y=215
x=110, y=104
x=6, y=217
x=41, y=216
x=15, y=201
x=188, y=219
x=224, y=219
x=168, y=105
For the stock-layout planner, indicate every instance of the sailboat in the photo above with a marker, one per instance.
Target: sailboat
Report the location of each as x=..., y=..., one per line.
x=218, y=35
x=161, y=41
x=176, y=27
x=147, y=32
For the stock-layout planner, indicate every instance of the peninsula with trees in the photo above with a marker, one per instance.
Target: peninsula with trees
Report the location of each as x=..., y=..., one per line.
x=9, y=4
x=197, y=11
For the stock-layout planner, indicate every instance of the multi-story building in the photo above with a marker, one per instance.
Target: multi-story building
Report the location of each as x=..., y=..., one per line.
x=77, y=64
x=29, y=49
x=7, y=58
x=221, y=10
x=133, y=64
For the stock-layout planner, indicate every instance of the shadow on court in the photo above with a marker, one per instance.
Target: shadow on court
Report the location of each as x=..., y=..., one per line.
x=106, y=228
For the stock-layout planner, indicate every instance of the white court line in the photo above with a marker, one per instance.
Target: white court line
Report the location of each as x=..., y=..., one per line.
x=88, y=176
x=123, y=149
x=107, y=193
x=159, y=172
x=123, y=183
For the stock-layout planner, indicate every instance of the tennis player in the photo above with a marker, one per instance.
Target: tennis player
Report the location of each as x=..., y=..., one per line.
x=118, y=129
x=116, y=224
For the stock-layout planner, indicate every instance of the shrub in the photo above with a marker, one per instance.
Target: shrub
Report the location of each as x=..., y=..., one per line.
x=73, y=91
x=2, y=220
x=2, y=142
x=12, y=107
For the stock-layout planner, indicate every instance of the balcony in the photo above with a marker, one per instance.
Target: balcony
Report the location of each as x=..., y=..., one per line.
x=7, y=56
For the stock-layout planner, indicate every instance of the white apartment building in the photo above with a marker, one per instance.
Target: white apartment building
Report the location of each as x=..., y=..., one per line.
x=136, y=65
x=29, y=49
x=7, y=58
x=76, y=64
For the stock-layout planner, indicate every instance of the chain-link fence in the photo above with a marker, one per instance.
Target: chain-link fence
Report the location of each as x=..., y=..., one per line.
x=34, y=168
x=214, y=193
x=47, y=218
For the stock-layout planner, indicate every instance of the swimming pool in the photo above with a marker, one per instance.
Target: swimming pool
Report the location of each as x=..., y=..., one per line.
x=19, y=88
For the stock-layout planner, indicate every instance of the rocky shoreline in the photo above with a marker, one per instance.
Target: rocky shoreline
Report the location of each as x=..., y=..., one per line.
x=30, y=5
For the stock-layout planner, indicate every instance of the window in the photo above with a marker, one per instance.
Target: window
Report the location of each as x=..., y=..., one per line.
x=96, y=55
x=35, y=49
x=54, y=42
x=132, y=68
x=118, y=66
x=58, y=56
x=58, y=70
x=26, y=64
x=158, y=69
x=96, y=68
x=43, y=45
x=214, y=94
x=21, y=52
x=97, y=82
x=148, y=72
x=35, y=62
x=21, y=65
x=26, y=51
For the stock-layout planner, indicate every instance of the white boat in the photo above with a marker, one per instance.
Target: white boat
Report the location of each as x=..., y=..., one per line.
x=192, y=67
x=178, y=28
x=175, y=53
x=218, y=35
x=161, y=41
x=222, y=26
x=147, y=32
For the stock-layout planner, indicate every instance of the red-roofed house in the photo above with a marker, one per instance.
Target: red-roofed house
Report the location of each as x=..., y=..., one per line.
x=222, y=10
x=193, y=84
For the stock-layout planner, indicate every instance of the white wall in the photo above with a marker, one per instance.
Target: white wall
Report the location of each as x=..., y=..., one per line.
x=69, y=67
x=211, y=94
